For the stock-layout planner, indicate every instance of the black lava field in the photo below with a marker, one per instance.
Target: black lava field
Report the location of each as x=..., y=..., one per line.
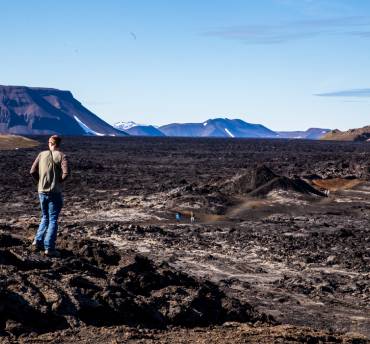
x=279, y=251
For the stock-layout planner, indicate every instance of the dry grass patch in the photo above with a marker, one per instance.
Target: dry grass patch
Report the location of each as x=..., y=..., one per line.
x=8, y=142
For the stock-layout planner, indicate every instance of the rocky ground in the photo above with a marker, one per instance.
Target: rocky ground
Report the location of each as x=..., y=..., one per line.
x=272, y=257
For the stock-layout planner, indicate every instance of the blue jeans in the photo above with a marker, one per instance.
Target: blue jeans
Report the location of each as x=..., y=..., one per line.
x=51, y=205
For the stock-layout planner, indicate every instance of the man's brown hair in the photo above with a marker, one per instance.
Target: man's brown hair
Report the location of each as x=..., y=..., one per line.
x=55, y=139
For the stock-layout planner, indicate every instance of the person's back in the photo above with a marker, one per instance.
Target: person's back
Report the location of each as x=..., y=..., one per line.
x=49, y=169
x=51, y=165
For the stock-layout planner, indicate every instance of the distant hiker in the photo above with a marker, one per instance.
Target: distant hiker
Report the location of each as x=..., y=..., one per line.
x=178, y=217
x=50, y=170
x=192, y=217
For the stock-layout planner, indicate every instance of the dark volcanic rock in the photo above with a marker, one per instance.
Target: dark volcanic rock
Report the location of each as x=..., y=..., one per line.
x=216, y=198
x=96, y=284
x=261, y=180
x=285, y=183
x=260, y=176
x=44, y=111
x=363, y=137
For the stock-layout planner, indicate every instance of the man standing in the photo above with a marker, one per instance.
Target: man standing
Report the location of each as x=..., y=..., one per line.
x=50, y=170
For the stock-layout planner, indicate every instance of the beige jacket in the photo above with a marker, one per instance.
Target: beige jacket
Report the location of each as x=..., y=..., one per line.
x=50, y=169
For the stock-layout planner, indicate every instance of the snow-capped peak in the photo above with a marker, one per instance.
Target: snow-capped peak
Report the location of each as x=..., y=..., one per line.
x=125, y=125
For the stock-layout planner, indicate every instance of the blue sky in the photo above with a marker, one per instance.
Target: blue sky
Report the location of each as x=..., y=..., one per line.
x=287, y=64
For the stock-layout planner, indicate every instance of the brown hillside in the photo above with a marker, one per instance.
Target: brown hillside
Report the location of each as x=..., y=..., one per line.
x=360, y=134
x=13, y=142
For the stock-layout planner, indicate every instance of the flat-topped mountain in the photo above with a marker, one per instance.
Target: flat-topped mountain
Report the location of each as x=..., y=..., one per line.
x=360, y=134
x=309, y=134
x=218, y=127
x=44, y=111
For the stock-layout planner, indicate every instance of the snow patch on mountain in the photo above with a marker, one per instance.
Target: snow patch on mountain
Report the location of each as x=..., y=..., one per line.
x=228, y=132
x=86, y=128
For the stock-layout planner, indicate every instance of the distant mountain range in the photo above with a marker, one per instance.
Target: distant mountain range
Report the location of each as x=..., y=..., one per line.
x=218, y=127
x=360, y=134
x=45, y=111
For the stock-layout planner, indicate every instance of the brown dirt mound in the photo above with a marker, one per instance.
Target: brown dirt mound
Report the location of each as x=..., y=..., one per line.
x=94, y=284
x=335, y=184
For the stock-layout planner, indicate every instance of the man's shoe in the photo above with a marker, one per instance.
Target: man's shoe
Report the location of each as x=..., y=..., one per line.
x=52, y=253
x=36, y=246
